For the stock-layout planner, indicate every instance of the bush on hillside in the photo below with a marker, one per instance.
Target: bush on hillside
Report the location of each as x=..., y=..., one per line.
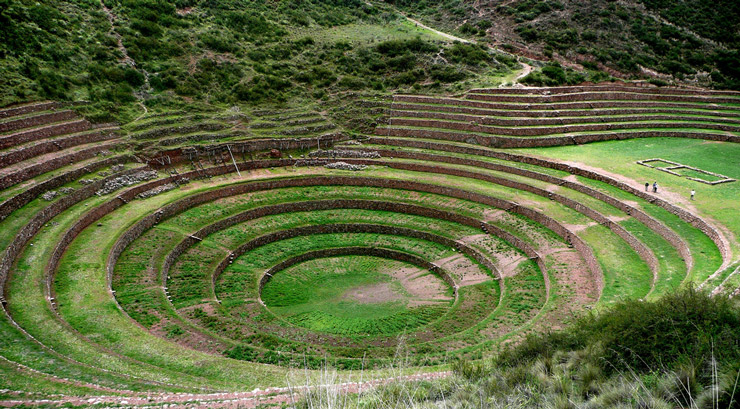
x=688, y=327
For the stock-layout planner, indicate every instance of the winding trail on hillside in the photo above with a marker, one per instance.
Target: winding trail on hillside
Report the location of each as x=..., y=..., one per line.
x=126, y=59
x=443, y=34
x=525, y=71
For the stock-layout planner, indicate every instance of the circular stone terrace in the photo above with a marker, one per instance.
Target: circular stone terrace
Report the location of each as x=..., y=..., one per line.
x=208, y=271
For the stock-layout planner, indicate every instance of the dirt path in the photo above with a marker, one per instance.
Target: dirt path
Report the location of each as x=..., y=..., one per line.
x=527, y=68
x=252, y=399
x=126, y=58
x=681, y=200
x=443, y=34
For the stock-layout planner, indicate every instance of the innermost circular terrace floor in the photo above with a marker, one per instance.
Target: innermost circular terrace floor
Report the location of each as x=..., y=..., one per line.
x=357, y=295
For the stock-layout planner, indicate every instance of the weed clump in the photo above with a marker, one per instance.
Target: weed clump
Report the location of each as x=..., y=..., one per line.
x=678, y=351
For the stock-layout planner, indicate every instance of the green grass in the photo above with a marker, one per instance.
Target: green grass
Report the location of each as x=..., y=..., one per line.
x=201, y=211
x=523, y=304
x=95, y=316
x=313, y=294
x=671, y=267
x=561, y=134
x=250, y=265
x=626, y=275
x=32, y=312
x=691, y=173
x=106, y=328
x=717, y=202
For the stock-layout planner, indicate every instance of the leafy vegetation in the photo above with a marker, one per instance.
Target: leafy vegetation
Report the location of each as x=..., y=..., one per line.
x=217, y=52
x=553, y=74
x=693, y=40
x=679, y=351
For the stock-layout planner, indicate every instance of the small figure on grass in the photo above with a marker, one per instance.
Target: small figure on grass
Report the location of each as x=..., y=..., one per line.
x=655, y=187
x=693, y=192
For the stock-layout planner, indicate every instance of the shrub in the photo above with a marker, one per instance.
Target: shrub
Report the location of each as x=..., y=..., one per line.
x=446, y=74
x=352, y=82
x=394, y=48
x=134, y=77
x=470, y=54
x=241, y=352
x=688, y=327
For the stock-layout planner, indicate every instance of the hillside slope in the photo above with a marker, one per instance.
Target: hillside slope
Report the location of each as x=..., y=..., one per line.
x=694, y=41
x=119, y=52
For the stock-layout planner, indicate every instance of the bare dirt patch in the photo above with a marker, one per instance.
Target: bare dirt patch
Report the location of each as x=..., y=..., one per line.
x=464, y=270
x=423, y=287
x=373, y=294
x=184, y=11
x=575, y=228
x=508, y=265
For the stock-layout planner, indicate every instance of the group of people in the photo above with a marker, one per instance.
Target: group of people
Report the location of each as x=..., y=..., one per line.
x=655, y=189
x=655, y=186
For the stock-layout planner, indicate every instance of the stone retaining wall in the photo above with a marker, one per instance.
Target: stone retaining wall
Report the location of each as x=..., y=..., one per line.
x=166, y=212
x=36, y=120
x=643, y=217
x=191, y=201
x=554, y=129
x=359, y=251
x=160, y=132
x=254, y=145
x=603, y=88
x=44, y=216
x=554, y=113
x=27, y=108
x=555, y=105
x=640, y=248
x=314, y=206
x=16, y=202
x=41, y=148
x=198, y=137
x=602, y=96
x=686, y=216
x=487, y=120
x=638, y=214
x=43, y=133
x=53, y=164
x=695, y=221
x=534, y=142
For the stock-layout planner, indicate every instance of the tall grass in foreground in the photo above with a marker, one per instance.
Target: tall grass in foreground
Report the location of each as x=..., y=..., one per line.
x=681, y=351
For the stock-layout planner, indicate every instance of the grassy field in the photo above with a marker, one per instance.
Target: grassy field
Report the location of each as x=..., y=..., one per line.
x=716, y=202
x=347, y=295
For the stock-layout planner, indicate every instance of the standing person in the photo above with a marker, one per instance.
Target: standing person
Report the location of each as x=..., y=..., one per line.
x=647, y=185
x=655, y=187
x=693, y=192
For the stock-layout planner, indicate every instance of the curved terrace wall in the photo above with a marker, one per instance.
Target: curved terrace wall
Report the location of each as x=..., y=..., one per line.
x=686, y=216
x=535, y=142
x=36, y=120
x=568, y=120
x=555, y=105
x=43, y=133
x=24, y=109
x=554, y=129
x=41, y=148
x=593, y=113
x=53, y=164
